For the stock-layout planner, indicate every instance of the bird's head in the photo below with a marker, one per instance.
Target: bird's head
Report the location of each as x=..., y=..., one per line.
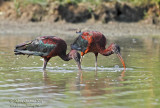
x=76, y=56
x=116, y=49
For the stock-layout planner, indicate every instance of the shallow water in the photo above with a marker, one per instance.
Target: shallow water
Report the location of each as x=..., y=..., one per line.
x=24, y=84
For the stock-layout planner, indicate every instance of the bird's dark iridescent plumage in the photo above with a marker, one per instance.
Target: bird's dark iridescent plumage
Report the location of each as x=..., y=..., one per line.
x=93, y=41
x=41, y=46
x=80, y=44
x=47, y=47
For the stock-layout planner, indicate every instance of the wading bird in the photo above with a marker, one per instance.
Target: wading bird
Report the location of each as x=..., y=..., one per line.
x=47, y=47
x=93, y=41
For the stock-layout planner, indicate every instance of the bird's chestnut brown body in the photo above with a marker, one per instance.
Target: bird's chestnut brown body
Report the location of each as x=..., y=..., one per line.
x=93, y=41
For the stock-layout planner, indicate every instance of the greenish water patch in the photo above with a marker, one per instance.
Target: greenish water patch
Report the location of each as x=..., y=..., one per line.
x=62, y=86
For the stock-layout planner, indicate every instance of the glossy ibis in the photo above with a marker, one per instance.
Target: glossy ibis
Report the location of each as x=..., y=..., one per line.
x=93, y=41
x=47, y=47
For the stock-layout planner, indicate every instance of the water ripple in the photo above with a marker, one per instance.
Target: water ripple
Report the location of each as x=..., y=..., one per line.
x=72, y=69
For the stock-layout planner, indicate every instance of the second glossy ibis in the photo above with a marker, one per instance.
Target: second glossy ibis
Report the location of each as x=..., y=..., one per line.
x=47, y=47
x=93, y=41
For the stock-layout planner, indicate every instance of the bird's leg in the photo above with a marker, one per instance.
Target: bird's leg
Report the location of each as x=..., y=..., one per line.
x=81, y=59
x=96, y=55
x=82, y=53
x=45, y=63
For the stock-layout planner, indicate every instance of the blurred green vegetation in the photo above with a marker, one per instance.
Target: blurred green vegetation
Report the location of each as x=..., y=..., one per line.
x=44, y=2
x=143, y=2
x=25, y=2
x=150, y=7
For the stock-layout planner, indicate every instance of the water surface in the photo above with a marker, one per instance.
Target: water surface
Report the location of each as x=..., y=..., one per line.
x=23, y=83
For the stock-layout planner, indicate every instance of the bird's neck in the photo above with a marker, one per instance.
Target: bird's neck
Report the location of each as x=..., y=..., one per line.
x=106, y=52
x=65, y=57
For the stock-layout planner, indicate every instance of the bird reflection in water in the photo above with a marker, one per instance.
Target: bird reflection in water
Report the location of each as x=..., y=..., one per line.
x=98, y=86
x=86, y=86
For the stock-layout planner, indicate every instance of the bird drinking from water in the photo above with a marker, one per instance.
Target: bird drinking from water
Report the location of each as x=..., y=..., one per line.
x=47, y=47
x=93, y=41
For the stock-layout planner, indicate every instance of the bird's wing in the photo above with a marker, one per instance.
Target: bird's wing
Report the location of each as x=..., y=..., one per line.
x=80, y=43
x=41, y=46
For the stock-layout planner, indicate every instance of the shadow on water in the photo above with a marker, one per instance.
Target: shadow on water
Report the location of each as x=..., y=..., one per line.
x=62, y=85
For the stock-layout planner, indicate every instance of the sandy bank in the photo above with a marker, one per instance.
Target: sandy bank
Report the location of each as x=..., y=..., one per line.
x=68, y=29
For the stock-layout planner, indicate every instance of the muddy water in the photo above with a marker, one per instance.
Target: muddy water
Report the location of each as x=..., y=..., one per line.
x=24, y=84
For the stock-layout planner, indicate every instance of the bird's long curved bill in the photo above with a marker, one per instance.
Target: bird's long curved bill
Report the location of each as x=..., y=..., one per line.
x=122, y=61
